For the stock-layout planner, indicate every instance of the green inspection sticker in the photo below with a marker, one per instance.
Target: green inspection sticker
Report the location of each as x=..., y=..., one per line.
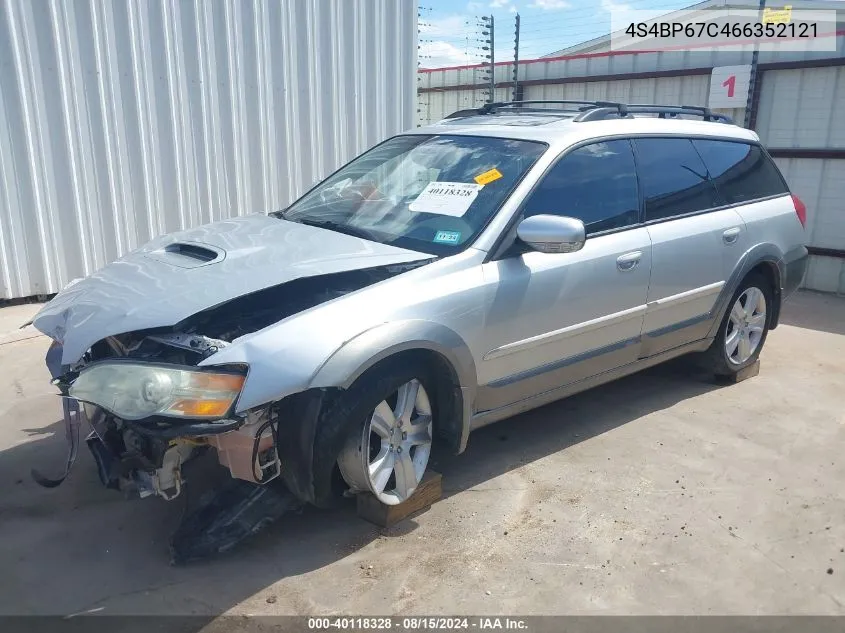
x=447, y=237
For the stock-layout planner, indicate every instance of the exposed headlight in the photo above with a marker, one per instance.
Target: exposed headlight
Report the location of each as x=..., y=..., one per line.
x=133, y=392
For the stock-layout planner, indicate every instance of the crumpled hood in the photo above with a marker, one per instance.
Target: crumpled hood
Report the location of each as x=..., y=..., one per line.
x=180, y=274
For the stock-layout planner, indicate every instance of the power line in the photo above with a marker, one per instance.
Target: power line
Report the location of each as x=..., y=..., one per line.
x=574, y=17
x=636, y=4
x=541, y=30
x=551, y=24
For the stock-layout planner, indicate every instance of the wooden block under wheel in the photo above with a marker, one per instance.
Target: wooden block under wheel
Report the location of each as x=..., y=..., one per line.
x=743, y=374
x=374, y=511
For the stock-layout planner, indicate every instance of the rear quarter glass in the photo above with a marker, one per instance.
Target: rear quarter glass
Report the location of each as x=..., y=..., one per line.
x=742, y=172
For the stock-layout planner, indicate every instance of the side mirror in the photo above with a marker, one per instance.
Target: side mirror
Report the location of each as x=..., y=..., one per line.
x=552, y=233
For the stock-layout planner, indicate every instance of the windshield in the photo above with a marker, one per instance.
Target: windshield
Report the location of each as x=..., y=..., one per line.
x=426, y=193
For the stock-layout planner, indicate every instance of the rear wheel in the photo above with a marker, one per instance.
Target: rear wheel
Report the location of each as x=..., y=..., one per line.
x=388, y=452
x=744, y=328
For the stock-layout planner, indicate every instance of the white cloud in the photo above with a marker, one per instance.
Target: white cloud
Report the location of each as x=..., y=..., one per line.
x=438, y=54
x=611, y=6
x=450, y=26
x=550, y=5
x=475, y=6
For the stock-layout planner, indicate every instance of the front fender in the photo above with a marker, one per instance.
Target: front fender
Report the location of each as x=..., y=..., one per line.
x=357, y=355
x=361, y=353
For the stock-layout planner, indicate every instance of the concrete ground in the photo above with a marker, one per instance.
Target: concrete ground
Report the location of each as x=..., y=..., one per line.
x=662, y=493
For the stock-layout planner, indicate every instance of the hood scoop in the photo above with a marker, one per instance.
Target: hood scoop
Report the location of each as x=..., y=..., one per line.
x=188, y=254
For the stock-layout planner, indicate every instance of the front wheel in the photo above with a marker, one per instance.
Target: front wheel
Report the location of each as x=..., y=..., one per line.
x=388, y=453
x=744, y=328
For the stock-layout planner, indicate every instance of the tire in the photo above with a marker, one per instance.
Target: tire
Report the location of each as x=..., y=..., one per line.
x=388, y=417
x=729, y=352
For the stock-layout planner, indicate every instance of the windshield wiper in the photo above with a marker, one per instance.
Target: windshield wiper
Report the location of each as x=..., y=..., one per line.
x=331, y=225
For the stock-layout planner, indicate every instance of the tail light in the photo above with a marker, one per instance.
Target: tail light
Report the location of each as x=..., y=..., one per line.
x=800, y=210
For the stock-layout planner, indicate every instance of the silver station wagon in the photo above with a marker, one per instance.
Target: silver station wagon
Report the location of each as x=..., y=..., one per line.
x=447, y=278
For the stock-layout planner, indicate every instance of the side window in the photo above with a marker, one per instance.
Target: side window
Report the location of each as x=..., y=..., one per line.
x=596, y=183
x=741, y=172
x=673, y=177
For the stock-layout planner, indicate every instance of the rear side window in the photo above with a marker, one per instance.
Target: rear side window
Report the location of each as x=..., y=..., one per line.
x=741, y=172
x=596, y=183
x=673, y=177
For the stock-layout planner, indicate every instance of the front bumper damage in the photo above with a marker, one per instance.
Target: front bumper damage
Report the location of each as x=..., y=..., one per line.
x=163, y=307
x=143, y=459
x=72, y=419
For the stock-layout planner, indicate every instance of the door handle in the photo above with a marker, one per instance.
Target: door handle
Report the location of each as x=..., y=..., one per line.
x=730, y=236
x=628, y=261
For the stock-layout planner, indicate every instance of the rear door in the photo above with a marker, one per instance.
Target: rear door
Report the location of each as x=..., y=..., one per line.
x=696, y=239
x=748, y=179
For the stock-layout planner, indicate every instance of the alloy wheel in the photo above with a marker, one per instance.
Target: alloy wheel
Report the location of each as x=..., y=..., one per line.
x=746, y=325
x=392, y=453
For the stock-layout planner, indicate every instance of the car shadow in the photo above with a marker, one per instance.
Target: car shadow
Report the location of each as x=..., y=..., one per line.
x=91, y=550
x=531, y=436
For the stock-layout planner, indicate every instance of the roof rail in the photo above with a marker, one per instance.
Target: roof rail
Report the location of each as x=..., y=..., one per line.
x=580, y=105
x=490, y=108
x=595, y=110
x=625, y=110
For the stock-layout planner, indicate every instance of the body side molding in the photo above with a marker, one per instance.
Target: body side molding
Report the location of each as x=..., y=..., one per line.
x=572, y=330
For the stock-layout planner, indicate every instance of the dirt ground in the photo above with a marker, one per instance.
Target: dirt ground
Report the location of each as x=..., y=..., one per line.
x=662, y=493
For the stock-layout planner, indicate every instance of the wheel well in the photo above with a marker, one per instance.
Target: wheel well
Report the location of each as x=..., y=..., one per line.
x=448, y=397
x=770, y=272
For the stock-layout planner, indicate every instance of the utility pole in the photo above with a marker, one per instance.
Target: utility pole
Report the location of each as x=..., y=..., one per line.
x=516, y=60
x=492, y=61
x=487, y=25
x=752, y=80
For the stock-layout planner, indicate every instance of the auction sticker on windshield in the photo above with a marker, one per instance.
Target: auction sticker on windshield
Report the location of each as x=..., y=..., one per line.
x=488, y=176
x=446, y=198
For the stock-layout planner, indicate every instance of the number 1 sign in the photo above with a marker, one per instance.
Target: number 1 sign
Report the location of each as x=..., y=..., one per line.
x=729, y=86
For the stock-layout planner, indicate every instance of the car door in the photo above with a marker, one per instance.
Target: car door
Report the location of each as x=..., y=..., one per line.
x=558, y=318
x=696, y=242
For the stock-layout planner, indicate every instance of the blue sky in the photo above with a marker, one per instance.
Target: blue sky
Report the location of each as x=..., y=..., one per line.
x=448, y=30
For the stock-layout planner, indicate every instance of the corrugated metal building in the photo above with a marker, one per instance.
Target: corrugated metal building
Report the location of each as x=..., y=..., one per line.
x=123, y=120
x=798, y=111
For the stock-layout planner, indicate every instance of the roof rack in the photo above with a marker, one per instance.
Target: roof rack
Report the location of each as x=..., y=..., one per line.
x=490, y=108
x=625, y=110
x=596, y=110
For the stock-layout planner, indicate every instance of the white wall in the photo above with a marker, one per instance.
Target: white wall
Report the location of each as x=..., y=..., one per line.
x=820, y=183
x=122, y=120
x=805, y=109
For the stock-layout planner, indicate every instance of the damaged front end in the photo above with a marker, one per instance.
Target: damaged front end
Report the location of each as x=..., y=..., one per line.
x=151, y=408
x=152, y=405
x=148, y=417
x=143, y=457
x=140, y=356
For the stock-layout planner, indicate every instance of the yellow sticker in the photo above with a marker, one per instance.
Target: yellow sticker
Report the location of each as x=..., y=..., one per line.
x=488, y=176
x=777, y=16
